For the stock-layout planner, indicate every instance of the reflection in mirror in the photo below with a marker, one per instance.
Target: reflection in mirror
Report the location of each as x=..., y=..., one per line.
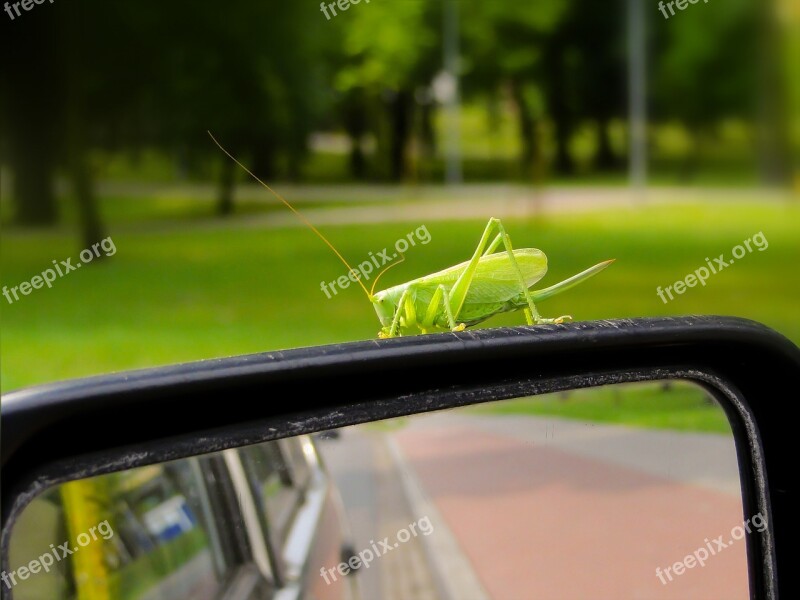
x=624, y=491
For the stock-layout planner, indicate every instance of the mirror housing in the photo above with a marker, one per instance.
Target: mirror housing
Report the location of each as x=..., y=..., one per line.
x=64, y=431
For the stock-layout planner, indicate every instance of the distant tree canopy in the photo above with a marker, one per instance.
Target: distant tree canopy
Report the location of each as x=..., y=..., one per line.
x=265, y=75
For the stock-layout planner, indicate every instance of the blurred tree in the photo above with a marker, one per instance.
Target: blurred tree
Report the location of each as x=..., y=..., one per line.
x=697, y=84
x=30, y=113
x=128, y=76
x=252, y=79
x=592, y=43
x=504, y=49
x=264, y=76
x=47, y=99
x=355, y=118
x=390, y=50
x=774, y=91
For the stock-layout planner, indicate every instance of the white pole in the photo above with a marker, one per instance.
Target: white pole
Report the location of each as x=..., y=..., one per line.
x=637, y=86
x=452, y=148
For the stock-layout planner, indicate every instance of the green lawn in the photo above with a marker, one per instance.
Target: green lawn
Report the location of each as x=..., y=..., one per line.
x=183, y=291
x=682, y=406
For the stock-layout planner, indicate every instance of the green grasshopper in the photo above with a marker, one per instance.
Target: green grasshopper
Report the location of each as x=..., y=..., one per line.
x=463, y=295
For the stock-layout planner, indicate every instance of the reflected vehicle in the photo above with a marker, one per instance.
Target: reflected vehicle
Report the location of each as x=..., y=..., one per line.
x=250, y=524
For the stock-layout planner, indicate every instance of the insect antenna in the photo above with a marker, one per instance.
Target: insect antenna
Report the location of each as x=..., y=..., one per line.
x=299, y=216
x=375, y=281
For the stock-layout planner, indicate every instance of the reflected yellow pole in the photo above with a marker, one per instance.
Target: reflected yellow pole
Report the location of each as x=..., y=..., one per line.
x=83, y=506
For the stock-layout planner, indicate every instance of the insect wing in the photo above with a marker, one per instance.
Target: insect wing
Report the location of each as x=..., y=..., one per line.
x=495, y=278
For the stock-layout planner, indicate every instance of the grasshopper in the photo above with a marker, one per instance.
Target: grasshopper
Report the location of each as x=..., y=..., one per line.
x=464, y=295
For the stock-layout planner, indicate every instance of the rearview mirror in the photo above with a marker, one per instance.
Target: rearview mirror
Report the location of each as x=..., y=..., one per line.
x=615, y=459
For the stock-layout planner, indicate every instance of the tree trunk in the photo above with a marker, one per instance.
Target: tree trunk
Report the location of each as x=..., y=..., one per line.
x=354, y=117
x=33, y=165
x=400, y=116
x=427, y=130
x=530, y=154
x=606, y=159
x=358, y=162
x=33, y=112
x=689, y=163
x=263, y=159
x=91, y=226
x=774, y=146
x=226, y=187
x=563, y=131
x=559, y=102
x=89, y=217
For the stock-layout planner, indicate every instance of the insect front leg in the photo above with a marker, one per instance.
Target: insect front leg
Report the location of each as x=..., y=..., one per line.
x=401, y=306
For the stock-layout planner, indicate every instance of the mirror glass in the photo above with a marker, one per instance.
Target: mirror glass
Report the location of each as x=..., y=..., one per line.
x=624, y=491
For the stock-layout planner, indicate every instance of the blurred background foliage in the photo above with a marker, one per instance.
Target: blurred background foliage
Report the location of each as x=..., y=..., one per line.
x=104, y=109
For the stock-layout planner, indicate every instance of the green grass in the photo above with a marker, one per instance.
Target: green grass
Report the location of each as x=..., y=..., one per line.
x=681, y=406
x=181, y=292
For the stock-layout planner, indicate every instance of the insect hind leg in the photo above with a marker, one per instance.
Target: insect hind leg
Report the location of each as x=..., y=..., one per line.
x=532, y=315
x=440, y=296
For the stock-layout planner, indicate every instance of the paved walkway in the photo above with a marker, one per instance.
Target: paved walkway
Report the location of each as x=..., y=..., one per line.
x=543, y=510
x=366, y=204
x=539, y=507
x=699, y=459
x=376, y=505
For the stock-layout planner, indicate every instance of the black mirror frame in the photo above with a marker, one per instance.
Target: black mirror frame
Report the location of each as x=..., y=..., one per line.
x=54, y=433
